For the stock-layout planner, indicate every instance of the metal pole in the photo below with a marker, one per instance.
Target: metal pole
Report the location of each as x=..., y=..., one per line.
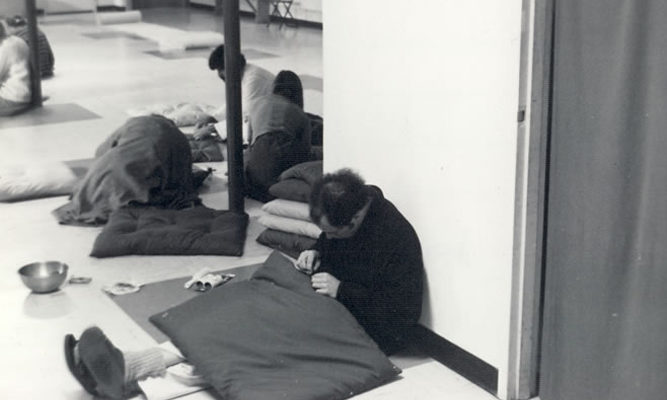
x=233, y=74
x=33, y=39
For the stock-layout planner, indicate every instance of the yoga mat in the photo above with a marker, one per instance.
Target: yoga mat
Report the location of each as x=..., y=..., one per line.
x=155, y=297
x=171, y=39
x=48, y=114
x=118, y=17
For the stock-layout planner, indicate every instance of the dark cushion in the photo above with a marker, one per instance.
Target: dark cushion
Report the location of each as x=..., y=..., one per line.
x=310, y=172
x=289, y=243
x=273, y=337
x=191, y=231
x=291, y=189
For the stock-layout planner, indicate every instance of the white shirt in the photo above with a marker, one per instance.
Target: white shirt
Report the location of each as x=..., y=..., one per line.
x=256, y=82
x=15, y=70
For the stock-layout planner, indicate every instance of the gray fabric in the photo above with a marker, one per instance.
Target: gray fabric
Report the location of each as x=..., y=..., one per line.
x=606, y=281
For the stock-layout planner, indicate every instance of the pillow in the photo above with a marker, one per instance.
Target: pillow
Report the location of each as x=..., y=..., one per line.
x=273, y=337
x=310, y=172
x=155, y=231
x=300, y=227
x=289, y=243
x=35, y=179
x=288, y=208
x=291, y=189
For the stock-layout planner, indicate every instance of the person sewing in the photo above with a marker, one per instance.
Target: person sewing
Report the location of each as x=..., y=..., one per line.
x=15, y=85
x=368, y=257
x=279, y=135
x=256, y=82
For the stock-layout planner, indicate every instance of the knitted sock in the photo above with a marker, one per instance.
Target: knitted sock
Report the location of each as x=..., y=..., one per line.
x=144, y=364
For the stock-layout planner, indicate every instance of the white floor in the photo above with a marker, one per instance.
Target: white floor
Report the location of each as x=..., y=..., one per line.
x=109, y=76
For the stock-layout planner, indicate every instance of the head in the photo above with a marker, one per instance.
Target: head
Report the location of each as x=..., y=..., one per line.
x=338, y=203
x=288, y=85
x=216, y=61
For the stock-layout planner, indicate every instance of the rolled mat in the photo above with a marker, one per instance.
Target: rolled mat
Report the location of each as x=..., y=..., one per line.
x=118, y=17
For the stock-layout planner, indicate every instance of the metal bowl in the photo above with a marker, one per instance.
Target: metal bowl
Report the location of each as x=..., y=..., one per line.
x=44, y=277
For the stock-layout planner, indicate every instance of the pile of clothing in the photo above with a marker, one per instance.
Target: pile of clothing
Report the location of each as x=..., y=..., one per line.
x=287, y=218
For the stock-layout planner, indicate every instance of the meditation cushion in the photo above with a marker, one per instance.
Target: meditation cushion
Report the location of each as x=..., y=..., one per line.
x=298, y=226
x=291, y=189
x=288, y=208
x=273, y=337
x=286, y=242
x=35, y=179
x=191, y=231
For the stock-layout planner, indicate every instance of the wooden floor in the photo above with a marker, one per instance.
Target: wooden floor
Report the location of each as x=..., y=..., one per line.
x=101, y=73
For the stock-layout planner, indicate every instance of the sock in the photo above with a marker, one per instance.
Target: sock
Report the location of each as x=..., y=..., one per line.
x=140, y=365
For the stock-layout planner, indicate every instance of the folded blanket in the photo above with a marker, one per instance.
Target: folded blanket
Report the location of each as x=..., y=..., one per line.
x=288, y=208
x=291, y=225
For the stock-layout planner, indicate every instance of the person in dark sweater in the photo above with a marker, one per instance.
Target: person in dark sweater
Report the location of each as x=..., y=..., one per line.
x=368, y=257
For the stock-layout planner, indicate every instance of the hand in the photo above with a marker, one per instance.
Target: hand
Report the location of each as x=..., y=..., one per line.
x=205, y=132
x=308, y=261
x=204, y=120
x=325, y=283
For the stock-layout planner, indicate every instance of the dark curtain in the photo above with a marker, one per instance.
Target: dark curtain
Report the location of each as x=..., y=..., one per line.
x=605, y=305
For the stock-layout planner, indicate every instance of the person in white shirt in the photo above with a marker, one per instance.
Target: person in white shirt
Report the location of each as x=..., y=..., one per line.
x=256, y=82
x=15, y=86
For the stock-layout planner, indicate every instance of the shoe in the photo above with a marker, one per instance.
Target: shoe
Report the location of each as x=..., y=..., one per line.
x=79, y=371
x=105, y=364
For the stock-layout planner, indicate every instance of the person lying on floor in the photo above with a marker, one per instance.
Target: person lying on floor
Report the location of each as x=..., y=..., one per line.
x=368, y=258
x=15, y=85
x=256, y=82
x=279, y=135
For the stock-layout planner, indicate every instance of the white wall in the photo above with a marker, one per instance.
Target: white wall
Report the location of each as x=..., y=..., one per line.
x=421, y=98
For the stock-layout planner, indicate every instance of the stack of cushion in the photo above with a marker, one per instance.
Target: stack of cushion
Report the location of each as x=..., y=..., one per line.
x=287, y=218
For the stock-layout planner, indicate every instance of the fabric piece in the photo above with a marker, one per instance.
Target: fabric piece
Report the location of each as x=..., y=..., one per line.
x=270, y=155
x=291, y=189
x=381, y=273
x=191, y=231
x=35, y=180
x=183, y=114
x=274, y=337
x=298, y=226
x=605, y=276
x=288, y=208
x=288, y=243
x=309, y=172
x=147, y=161
x=205, y=150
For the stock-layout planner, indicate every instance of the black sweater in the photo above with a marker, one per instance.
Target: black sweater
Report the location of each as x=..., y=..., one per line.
x=381, y=273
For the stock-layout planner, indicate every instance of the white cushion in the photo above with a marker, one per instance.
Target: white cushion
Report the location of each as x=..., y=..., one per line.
x=34, y=180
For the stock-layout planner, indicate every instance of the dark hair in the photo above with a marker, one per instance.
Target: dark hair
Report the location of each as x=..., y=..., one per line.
x=217, y=59
x=339, y=196
x=288, y=85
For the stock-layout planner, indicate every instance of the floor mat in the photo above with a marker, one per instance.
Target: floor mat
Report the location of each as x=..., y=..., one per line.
x=170, y=39
x=159, y=296
x=48, y=114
